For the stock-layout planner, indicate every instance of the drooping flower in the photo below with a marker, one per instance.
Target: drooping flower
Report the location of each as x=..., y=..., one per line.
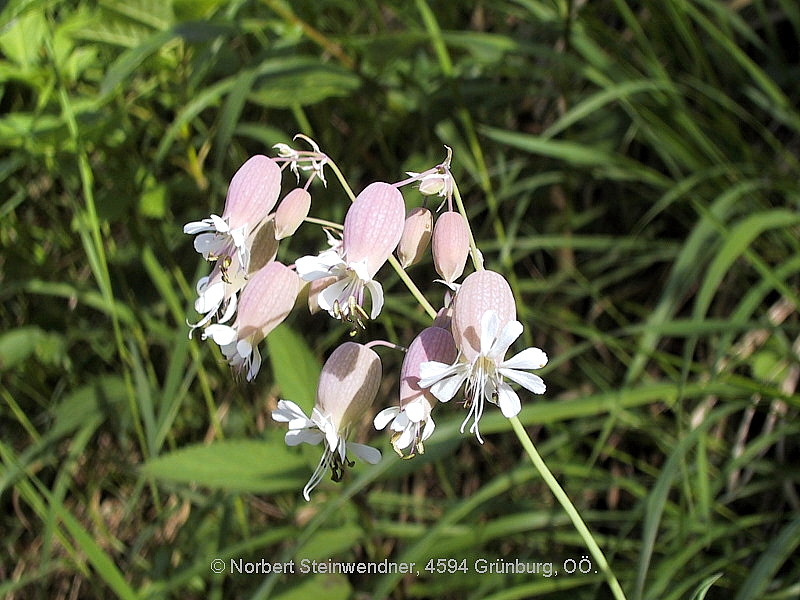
x=264, y=303
x=484, y=327
x=347, y=387
x=372, y=228
x=435, y=181
x=217, y=292
x=411, y=422
x=252, y=193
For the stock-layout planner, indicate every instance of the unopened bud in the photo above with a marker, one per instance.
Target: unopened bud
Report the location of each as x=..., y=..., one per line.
x=348, y=383
x=416, y=236
x=291, y=212
x=481, y=291
x=450, y=245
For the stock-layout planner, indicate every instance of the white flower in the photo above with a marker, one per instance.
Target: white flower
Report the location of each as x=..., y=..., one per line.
x=485, y=373
x=343, y=298
x=216, y=239
x=412, y=425
x=314, y=430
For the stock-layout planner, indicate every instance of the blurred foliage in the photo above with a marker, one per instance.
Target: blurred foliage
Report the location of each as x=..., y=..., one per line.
x=631, y=166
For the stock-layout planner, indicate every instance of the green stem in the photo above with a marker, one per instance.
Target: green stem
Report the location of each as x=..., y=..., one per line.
x=477, y=257
x=569, y=508
x=412, y=287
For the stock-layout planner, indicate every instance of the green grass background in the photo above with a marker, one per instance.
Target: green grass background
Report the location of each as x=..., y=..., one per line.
x=632, y=167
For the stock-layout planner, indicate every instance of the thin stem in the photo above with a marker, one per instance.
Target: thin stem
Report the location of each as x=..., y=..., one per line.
x=324, y=223
x=477, y=257
x=569, y=508
x=412, y=287
x=335, y=168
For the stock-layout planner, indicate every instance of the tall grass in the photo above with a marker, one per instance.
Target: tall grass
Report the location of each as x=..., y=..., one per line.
x=631, y=166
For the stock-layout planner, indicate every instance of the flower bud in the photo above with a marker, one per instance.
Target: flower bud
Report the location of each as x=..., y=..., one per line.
x=432, y=343
x=416, y=236
x=291, y=212
x=480, y=292
x=348, y=383
x=373, y=226
x=253, y=191
x=450, y=245
x=266, y=301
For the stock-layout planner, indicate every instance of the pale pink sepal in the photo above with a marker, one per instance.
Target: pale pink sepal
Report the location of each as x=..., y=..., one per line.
x=373, y=226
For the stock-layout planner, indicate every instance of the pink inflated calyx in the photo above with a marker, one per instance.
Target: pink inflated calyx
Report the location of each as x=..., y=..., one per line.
x=450, y=245
x=348, y=383
x=416, y=236
x=480, y=292
x=373, y=226
x=432, y=343
x=267, y=300
x=253, y=192
x=291, y=212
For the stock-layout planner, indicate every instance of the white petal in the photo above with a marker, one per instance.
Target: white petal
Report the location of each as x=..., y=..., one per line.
x=294, y=437
x=415, y=410
x=429, y=427
x=206, y=243
x=511, y=331
x=244, y=348
x=220, y=224
x=432, y=371
x=445, y=389
x=196, y=227
x=383, y=418
x=310, y=268
x=221, y=334
x=255, y=365
x=368, y=454
x=529, y=381
x=376, y=296
x=330, y=294
x=361, y=270
x=238, y=236
x=490, y=322
x=530, y=358
x=508, y=401
x=405, y=439
x=400, y=422
x=211, y=298
x=230, y=310
x=288, y=410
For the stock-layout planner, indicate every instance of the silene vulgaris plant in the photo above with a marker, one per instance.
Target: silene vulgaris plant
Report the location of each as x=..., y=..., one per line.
x=462, y=355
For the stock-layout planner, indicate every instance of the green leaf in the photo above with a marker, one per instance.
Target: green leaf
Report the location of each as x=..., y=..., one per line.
x=295, y=367
x=330, y=542
x=286, y=82
x=264, y=467
x=329, y=587
x=781, y=549
x=702, y=589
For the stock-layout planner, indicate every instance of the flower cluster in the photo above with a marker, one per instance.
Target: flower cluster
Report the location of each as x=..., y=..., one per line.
x=248, y=292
